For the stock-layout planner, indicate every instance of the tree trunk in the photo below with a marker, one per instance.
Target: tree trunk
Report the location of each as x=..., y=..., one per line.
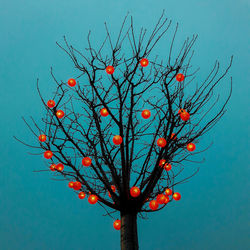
x=129, y=237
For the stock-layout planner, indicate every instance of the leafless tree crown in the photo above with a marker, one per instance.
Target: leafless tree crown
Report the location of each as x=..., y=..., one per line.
x=83, y=132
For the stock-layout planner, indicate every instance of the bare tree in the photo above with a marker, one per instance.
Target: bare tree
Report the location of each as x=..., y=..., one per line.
x=122, y=129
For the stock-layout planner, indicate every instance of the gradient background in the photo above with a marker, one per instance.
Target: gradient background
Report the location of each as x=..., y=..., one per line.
x=38, y=213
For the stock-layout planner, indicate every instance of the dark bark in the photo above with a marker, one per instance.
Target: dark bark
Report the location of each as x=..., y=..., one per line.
x=129, y=236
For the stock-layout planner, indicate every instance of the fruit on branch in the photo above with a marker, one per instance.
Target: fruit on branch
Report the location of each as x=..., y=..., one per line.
x=135, y=191
x=81, y=195
x=71, y=184
x=173, y=136
x=162, y=162
x=86, y=161
x=153, y=205
x=71, y=82
x=59, y=114
x=180, y=77
x=93, y=199
x=161, y=142
x=184, y=116
x=48, y=154
x=117, y=224
x=191, y=146
x=51, y=103
x=59, y=167
x=110, y=70
x=113, y=188
x=104, y=112
x=42, y=138
x=52, y=167
x=117, y=139
x=167, y=167
x=161, y=198
x=144, y=62
x=146, y=114
x=168, y=191
x=77, y=185
x=176, y=196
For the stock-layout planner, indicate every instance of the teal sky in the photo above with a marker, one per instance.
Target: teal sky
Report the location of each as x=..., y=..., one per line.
x=39, y=213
